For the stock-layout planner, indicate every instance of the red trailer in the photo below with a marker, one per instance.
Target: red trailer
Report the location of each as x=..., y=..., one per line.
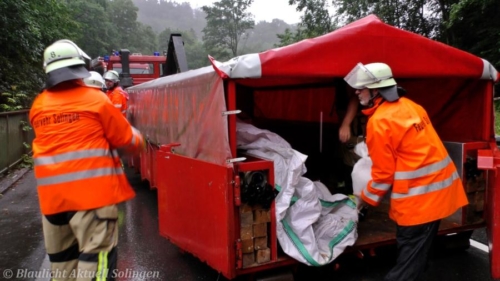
x=190, y=120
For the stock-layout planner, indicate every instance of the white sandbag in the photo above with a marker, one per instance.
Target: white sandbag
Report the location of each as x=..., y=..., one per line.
x=361, y=172
x=313, y=226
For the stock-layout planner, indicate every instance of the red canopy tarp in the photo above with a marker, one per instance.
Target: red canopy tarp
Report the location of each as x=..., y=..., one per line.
x=367, y=40
x=453, y=85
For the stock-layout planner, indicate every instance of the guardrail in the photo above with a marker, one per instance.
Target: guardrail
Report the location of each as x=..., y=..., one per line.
x=12, y=138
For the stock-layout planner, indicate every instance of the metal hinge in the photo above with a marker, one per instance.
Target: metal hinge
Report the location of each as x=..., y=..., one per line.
x=239, y=254
x=237, y=191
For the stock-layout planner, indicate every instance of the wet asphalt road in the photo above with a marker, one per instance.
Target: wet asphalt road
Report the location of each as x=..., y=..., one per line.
x=21, y=245
x=142, y=249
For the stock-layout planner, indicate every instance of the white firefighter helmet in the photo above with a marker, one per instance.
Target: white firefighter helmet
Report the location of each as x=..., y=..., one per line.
x=63, y=61
x=95, y=80
x=374, y=76
x=112, y=75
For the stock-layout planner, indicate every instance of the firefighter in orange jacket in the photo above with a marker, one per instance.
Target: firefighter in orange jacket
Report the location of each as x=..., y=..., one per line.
x=410, y=162
x=78, y=172
x=115, y=93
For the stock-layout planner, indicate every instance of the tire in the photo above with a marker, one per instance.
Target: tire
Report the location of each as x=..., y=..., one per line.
x=456, y=242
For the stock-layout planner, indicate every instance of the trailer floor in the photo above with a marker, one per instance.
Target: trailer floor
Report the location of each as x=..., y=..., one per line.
x=378, y=229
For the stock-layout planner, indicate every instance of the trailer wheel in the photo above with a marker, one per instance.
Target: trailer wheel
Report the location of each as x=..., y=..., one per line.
x=279, y=275
x=454, y=242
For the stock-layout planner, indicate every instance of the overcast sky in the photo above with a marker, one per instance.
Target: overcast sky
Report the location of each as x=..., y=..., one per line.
x=261, y=9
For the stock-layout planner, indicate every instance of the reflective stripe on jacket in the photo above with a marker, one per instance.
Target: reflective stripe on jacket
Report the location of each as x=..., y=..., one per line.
x=118, y=98
x=76, y=167
x=410, y=160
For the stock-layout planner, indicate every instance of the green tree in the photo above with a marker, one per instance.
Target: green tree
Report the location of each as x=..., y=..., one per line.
x=419, y=16
x=123, y=15
x=264, y=35
x=425, y=17
x=315, y=21
x=127, y=32
x=227, y=22
x=196, y=55
x=287, y=38
x=163, y=38
x=470, y=25
x=143, y=40
x=27, y=28
x=96, y=32
x=478, y=24
x=175, y=15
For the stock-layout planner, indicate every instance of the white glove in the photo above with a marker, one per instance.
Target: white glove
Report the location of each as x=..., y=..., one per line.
x=359, y=202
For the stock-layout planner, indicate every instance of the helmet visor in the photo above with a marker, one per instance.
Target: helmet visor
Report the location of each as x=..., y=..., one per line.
x=360, y=76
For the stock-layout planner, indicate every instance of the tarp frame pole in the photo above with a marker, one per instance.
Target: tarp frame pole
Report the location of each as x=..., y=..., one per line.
x=231, y=104
x=489, y=114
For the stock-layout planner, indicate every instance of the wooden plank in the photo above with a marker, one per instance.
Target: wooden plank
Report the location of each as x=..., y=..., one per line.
x=262, y=256
x=245, y=208
x=248, y=259
x=247, y=246
x=260, y=230
x=260, y=216
x=246, y=232
x=260, y=243
x=246, y=219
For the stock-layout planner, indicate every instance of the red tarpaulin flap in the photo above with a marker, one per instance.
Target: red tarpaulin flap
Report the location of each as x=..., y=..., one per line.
x=370, y=40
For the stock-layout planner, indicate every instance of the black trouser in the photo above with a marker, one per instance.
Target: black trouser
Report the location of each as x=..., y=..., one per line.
x=414, y=243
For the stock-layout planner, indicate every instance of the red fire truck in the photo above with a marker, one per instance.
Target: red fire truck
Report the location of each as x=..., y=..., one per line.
x=137, y=68
x=200, y=172
x=141, y=68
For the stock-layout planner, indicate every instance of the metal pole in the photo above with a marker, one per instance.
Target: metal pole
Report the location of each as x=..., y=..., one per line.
x=10, y=166
x=321, y=132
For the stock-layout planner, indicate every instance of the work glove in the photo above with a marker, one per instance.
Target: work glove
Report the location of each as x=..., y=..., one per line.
x=358, y=201
x=361, y=206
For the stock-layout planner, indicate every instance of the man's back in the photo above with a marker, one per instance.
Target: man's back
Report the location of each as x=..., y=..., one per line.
x=408, y=154
x=76, y=130
x=118, y=98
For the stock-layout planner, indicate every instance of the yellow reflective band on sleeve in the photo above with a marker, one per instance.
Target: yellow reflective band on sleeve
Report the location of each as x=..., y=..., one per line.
x=381, y=186
x=370, y=195
x=69, y=156
x=69, y=177
x=419, y=190
x=117, y=105
x=424, y=171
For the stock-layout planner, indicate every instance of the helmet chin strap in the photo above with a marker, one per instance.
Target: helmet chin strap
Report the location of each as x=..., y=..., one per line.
x=115, y=84
x=372, y=97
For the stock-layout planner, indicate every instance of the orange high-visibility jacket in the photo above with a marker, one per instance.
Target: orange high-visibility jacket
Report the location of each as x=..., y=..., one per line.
x=409, y=158
x=118, y=98
x=76, y=165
